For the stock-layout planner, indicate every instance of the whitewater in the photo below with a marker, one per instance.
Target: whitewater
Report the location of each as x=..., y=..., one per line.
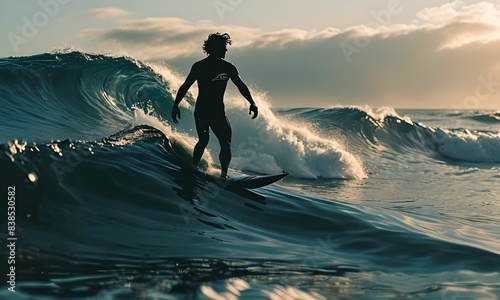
x=380, y=202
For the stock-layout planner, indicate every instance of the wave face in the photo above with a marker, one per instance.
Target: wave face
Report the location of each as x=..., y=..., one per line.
x=106, y=206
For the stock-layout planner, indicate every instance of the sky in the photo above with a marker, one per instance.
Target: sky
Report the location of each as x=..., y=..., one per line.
x=424, y=54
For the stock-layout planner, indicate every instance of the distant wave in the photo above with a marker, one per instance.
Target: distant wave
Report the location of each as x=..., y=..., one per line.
x=384, y=127
x=484, y=117
x=487, y=118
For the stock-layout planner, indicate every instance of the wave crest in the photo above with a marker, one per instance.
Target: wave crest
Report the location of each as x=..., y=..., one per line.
x=385, y=129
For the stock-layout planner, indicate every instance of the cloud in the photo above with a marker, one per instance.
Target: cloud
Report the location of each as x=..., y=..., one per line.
x=459, y=11
x=107, y=12
x=163, y=38
x=171, y=38
x=441, y=61
x=485, y=15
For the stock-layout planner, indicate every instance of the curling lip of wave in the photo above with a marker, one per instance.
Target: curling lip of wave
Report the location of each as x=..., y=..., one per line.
x=73, y=95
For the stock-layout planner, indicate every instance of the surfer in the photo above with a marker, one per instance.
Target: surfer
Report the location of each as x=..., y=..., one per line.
x=212, y=74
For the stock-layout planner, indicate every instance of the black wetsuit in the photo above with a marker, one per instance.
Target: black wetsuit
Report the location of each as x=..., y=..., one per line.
x=212, y=75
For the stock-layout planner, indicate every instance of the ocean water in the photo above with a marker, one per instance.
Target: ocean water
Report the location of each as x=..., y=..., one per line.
x=380, y=203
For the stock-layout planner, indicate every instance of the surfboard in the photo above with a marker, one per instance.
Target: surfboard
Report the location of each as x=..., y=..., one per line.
x=247, y=181
x=234, y=183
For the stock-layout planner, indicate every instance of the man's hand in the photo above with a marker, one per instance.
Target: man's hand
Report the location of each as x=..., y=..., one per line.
x=253, y=109
x=176, y=113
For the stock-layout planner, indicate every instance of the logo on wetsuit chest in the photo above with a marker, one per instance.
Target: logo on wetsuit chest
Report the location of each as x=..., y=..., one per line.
x=221, y=76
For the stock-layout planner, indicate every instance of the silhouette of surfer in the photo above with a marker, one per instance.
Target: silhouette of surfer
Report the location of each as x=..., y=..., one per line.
x=212, y=74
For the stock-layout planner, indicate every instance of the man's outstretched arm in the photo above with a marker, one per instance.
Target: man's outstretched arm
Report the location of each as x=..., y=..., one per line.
x=176, y=112
x=245, y=92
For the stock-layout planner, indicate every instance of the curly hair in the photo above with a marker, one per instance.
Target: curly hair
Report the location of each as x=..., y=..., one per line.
x=216, y=42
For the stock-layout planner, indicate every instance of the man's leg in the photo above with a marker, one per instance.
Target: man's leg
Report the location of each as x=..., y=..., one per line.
x=222, y=130
x=202, y=128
